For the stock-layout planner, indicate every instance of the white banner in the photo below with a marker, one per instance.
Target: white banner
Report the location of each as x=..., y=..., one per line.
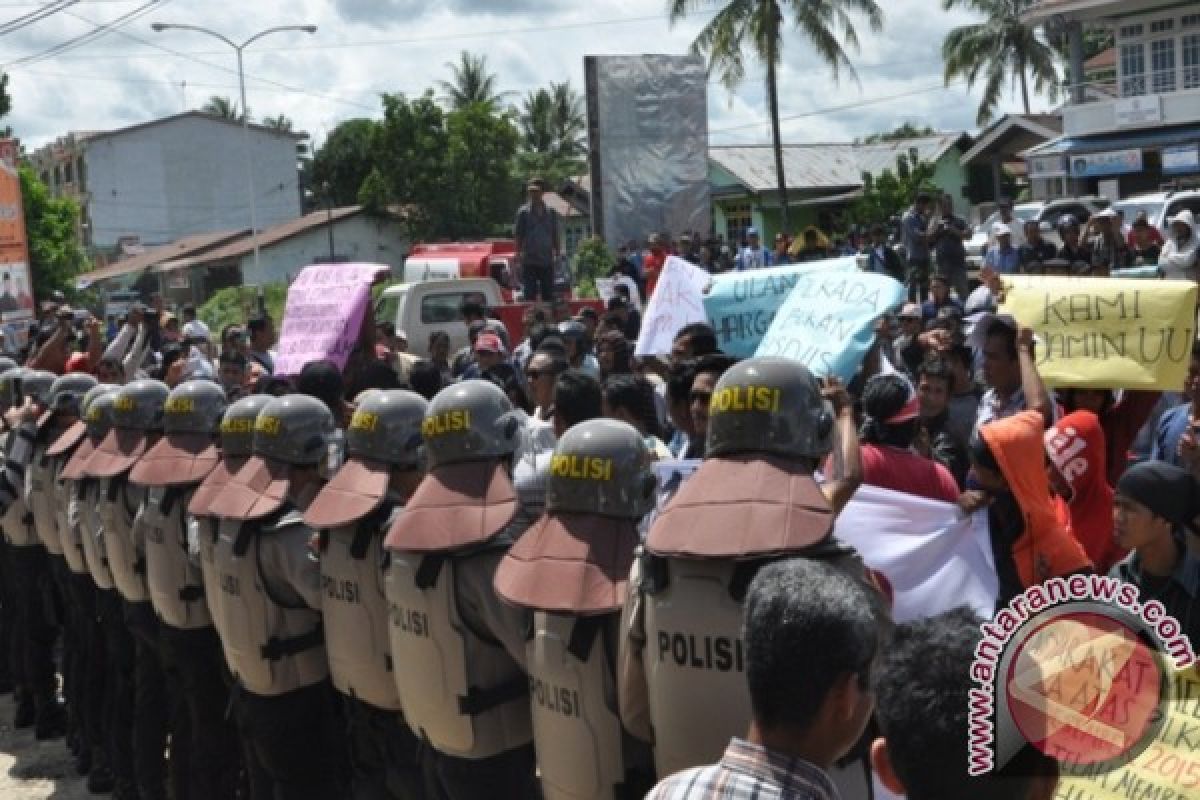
x=934, y=558
x=678, y=300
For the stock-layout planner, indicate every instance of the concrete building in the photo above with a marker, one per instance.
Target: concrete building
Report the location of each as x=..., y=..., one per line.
x=1145, y=135
x=191, y=269
x=822, y=180
x=162, y=180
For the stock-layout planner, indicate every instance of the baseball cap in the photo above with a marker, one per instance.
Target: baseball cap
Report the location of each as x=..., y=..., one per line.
x=1107, y=213
x=910, y=311
x=488, y=343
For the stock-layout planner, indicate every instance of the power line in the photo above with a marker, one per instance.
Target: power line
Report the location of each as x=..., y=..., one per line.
x=91, y=36
x=25, y=20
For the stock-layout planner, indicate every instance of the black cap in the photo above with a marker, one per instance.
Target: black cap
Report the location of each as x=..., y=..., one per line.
x=1167, y=490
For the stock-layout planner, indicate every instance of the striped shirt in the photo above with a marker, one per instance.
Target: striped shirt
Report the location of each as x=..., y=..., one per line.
x=749, y=772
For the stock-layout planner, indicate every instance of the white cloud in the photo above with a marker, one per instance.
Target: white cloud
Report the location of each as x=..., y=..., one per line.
x=365, y=47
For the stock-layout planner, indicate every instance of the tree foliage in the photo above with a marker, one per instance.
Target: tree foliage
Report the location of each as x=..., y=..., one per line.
x=905, y=131
x=1000, y=48
x=553, y=126
x=471, y=83
x=235, y=304
x=222, y=107
x=888, y=194
x=279, y=122
x=55, y=256
x=344, y=161
x=452, y=170
x=757, y=26
x=592, y=260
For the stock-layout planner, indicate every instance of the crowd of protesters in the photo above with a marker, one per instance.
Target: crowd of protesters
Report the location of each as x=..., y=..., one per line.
x=948, y=405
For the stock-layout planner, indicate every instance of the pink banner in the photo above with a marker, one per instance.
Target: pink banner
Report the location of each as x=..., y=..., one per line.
x=324, y=313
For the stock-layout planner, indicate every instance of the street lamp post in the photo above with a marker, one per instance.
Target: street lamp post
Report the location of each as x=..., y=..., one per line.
x=328, y=216
x=159, y=27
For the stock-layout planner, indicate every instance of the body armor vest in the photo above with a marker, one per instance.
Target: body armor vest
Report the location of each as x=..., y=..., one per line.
x=17, y=522
x=119, y=507
x=175, y=584
x=91, y=534
x=70, y=524
x=572, y=693
x=460, y=690
x=354, y=607
x=39, y=497
x=273, y=645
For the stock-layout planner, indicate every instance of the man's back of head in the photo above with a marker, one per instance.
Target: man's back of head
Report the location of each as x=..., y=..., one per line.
x=578, y=397
x=693, y=341
x=811, y=635
x=921, y=697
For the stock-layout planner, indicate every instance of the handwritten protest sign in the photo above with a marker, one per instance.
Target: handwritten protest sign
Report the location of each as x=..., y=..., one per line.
x=1107, y=333
x=741, y=305
x=324, y=314
x=827, y=321
x=678, y=300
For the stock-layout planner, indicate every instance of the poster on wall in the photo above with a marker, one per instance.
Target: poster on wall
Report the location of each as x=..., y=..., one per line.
x=1181, y=159
x=1114, y=162
x=16, y=286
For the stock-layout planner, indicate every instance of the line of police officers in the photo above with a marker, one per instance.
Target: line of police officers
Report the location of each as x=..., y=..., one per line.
x=234, y=621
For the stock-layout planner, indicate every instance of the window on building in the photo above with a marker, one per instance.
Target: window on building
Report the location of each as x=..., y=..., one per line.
x=738, y=218
x=1131, y=30
x=1191, y=61
x=1162, y=25
x=69, y=173
x=1133, y=69
x=81, y=174
x=1191, y=21
x=1162, y=65
x=58, y=176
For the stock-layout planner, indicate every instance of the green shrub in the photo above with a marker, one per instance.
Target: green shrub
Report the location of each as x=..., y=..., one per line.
x=236, y=304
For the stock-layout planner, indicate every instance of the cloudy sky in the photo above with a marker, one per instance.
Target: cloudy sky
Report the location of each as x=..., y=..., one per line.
x=127, y=74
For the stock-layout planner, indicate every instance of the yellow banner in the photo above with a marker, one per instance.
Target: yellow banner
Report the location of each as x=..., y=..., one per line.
x=1167, y=769
x=1107, y=333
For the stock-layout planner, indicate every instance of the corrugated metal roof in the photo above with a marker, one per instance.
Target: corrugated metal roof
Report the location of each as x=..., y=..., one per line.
x=180, y=248
x=269, y=236
x=823, y=166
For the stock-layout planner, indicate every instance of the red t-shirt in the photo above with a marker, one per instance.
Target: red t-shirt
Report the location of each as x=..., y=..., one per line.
x=905, y=471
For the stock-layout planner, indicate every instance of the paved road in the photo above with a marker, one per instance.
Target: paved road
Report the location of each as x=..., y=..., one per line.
x=33, y=770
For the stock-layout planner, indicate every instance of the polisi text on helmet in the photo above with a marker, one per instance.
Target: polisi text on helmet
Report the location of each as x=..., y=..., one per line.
x=180, y=405
x=271, y=426
x=364, y=421
x=446, y=422
x=237, y=426
x=583, y=468
x=746, y=398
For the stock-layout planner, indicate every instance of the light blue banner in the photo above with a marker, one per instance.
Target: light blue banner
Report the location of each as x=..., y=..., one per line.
x=741, y=305
x=828, y=320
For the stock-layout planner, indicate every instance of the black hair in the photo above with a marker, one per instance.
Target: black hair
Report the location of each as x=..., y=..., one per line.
x=375, y=374
x=1196, y=350
x=1002, y=329
x=505, y=376
x=537, y=333
x=680, y=377
x=621, y=351
x=635, y=394
x=577, y=397
x=882, y=397
x=702, y=338
x=472, y=308
x=806, y=626
x=558, y=359
x=323, y=380
x=188, y=310
x=981, y=454
x=436, y=336
x=716, y=362
x=922, y=693
x=273, y=385
x=258, y=323
x=554, y=346
x=588, y=311
x=616, y=302
x=934, y=367
x=964, y=355
x=923, y=197
x=387, y=328
x=234, y=357
x=425, y=378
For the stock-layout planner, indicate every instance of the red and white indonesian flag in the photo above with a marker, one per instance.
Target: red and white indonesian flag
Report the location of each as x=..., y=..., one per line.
x=933, y=557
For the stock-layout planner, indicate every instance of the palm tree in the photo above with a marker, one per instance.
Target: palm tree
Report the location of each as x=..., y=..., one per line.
x=758, y=25
x=569, y=120
x=535, y=123
x=551, y=128
x=222, y=107
x=279, y=122
x=1003, y=48
x=471, y=83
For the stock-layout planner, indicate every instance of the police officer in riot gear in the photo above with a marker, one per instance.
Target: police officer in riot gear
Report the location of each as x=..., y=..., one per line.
x=137, y=425
x=36, y=629
x=352, y=513
x=6, y=601
x=170, y=471
x=58, y=405
x=266, y=605
x=459, y=649
x=89, y=667
x=753, y=500
x=572, y=569
x=116, y=642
